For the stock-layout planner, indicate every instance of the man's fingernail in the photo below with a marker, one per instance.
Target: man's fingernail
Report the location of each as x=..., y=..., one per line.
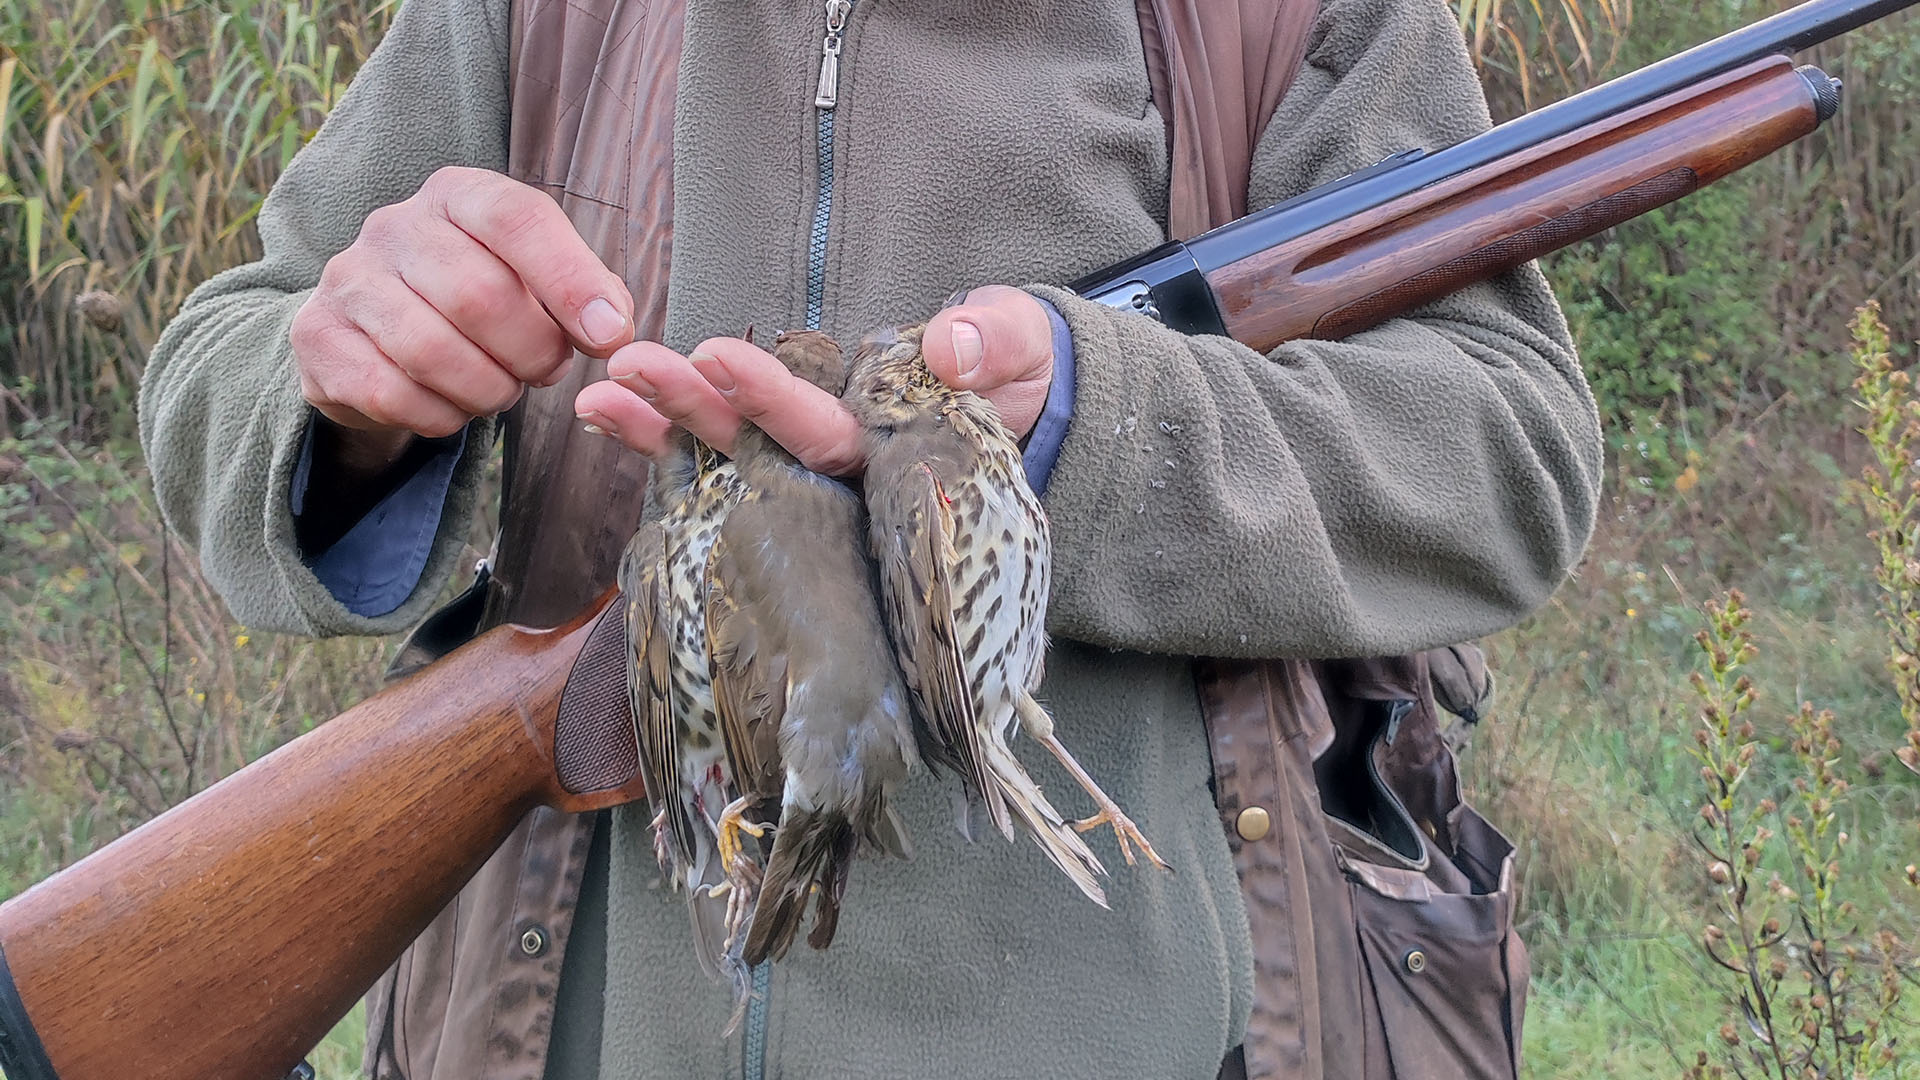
x=637, y=384
x=594, y=423
x=966, y=347
x=601, y=322
x=715, y=371
x=959, y=297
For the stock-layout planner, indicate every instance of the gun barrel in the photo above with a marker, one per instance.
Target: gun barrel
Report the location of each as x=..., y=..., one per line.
x=1790, y=31
x=1173, y=283
x=1377, y=263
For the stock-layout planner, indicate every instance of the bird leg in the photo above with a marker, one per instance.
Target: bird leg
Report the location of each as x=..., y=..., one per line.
x=1040, y=726
x=733, y=822
x=741, y=891
x=663, y=847
x=742, y=886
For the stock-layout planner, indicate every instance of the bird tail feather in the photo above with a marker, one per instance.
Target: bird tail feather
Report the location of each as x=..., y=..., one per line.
x=812, y=855
x=887, y=834
x=1048, y=829
x=708, y=914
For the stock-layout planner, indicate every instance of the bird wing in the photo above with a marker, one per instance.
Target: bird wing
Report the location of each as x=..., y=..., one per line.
x=913, y=532
x=749, y=673
x=649, y=679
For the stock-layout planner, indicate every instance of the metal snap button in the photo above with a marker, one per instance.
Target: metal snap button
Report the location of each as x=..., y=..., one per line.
x=533, y=941
x=1415, y=961
x=1253, y=823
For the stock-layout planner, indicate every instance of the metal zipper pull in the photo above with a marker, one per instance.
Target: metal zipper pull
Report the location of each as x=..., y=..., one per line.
x=828, y=92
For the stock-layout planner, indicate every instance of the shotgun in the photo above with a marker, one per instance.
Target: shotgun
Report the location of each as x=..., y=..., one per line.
x=225, y=937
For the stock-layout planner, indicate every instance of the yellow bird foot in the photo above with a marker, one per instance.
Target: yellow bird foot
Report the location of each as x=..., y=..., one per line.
x=733, y=822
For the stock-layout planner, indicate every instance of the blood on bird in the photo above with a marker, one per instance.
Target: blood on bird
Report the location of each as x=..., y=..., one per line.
x=938, y=489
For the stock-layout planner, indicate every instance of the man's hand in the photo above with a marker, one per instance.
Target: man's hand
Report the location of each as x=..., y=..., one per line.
x=998, y=342
x=447, y=307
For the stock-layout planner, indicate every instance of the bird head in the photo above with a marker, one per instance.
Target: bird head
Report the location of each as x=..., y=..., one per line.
x=813, y=356
x=889, y=382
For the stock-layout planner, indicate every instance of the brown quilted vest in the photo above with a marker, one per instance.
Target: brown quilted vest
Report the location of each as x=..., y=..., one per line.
x=1379, y=903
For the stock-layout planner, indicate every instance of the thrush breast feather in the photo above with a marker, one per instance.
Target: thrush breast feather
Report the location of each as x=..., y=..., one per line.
x=670, y=690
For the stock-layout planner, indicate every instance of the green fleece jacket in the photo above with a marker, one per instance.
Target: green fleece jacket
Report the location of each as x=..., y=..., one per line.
x=1427, y=481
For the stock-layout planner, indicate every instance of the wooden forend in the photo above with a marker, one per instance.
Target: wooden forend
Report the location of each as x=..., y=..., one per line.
x=1384, y=261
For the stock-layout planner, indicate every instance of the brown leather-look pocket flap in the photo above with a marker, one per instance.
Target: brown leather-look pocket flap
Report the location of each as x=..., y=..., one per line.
x=1444, y=975
x=1438, y=969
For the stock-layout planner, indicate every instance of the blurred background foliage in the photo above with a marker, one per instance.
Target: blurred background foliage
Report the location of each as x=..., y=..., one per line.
x=138, y=137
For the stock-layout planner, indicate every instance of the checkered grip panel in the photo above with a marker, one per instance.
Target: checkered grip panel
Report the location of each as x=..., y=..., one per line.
x=594, y=742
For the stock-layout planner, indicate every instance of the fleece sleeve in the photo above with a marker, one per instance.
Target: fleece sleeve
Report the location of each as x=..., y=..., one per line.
x=222, y=420
x=1427, y=481
x=1043, y=442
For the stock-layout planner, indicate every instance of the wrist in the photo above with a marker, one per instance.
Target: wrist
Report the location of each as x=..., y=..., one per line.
x=358, y=453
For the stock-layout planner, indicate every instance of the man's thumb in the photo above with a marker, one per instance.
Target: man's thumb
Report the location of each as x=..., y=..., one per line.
x=997, y=336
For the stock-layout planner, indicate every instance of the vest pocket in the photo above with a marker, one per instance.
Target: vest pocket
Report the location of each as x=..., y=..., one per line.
x=1439, y=977
x=1443, y=974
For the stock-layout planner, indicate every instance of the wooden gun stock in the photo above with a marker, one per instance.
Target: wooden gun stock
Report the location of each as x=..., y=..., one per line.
x=225, y=937
x=1386, y=260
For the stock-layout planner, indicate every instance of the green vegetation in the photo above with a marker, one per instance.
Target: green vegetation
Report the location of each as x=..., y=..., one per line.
x=138, y=137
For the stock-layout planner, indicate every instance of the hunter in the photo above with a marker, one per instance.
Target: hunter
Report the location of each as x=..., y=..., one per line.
x=514, y=191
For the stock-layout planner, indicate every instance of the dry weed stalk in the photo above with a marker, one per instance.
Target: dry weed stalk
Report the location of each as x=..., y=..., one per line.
x=1890, y=492
x=1815, y=983
x=125, y=686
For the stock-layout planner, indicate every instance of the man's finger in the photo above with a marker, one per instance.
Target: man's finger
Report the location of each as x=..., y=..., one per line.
x=359, y=387
x=800, y=416
x=531, y=234
x=998, y=335
x=421, y=343
x=486, y=301
x=666, y=381
x=615, y=411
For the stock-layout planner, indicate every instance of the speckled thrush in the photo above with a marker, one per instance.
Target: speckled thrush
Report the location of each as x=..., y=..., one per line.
x=662, y=576
x=810, y=702
x=964, y=557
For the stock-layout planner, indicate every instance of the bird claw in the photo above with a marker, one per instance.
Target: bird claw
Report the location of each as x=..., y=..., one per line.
x=1124, y=831
x=663, y=846
x=732, y=823
x=741, y=889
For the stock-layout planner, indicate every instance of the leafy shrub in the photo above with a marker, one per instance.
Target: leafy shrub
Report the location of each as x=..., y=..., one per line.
x=1668, y=315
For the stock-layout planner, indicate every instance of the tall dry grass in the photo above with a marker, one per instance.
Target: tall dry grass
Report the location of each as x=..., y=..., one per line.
x=138, y=138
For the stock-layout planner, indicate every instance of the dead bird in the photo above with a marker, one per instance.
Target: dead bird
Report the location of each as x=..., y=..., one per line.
x=669, y=686
x=965, y=560
x=811, y=705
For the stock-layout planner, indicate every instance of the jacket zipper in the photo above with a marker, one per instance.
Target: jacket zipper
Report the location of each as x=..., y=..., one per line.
x=826, y=97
